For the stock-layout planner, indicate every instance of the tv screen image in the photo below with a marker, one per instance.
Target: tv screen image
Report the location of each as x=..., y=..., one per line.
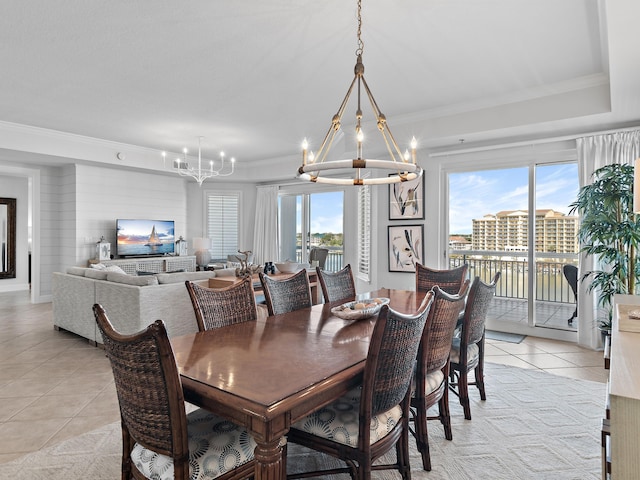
x=144, y=237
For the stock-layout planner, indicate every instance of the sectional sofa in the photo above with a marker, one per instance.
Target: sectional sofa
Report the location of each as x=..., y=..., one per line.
x=131, y=302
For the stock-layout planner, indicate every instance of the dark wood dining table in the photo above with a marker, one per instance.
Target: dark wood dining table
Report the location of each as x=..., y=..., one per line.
x=266, y=375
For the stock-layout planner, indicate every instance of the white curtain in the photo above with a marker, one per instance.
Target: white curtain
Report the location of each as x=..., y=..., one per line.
x=266, y=247
x=593, y=153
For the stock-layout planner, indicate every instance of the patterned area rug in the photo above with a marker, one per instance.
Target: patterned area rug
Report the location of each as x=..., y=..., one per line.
x=534, y=425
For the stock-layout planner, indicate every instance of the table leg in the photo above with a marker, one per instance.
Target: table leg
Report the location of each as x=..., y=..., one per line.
x=270, y=464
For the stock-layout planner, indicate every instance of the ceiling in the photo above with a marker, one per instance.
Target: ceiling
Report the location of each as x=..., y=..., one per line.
x=256, y=77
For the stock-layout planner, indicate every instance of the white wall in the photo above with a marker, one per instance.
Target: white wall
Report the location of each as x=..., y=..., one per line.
x=432, y=239
x=103, y=195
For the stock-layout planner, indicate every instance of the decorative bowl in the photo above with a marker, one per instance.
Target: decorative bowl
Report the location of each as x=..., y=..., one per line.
x=367, y=308
x=290, y=267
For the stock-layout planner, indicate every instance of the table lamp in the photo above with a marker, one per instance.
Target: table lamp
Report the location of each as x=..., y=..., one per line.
x=203, y=256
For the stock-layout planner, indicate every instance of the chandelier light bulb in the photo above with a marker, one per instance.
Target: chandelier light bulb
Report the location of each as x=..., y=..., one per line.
x=305, y=145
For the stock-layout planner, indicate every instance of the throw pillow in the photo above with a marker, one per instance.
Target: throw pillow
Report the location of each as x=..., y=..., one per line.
x=98, y=266
x=115, y=268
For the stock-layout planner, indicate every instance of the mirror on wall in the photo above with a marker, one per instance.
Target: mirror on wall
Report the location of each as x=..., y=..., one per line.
x=7, y=238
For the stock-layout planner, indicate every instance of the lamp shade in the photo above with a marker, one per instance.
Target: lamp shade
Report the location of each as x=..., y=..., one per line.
x=200, y=243
x=201, y=246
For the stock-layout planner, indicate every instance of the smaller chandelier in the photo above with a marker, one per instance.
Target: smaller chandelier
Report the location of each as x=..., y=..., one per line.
x=403, y=166
x=185, y=169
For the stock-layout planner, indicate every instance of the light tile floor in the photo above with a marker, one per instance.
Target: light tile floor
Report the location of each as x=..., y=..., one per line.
x=548, y=314
x=54, y=385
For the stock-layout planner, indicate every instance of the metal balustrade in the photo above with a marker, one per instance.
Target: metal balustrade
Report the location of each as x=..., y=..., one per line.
x=551, y=285
x=333, y=263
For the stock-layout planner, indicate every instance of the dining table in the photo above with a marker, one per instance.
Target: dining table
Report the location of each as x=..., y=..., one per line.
x=267, y=374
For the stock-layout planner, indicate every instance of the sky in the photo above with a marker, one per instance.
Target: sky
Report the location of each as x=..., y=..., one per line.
x=475, y=194
x=326, y=212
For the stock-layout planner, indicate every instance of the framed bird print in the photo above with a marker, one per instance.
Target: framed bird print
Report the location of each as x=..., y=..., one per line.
x=406, y=200
x=406, y=247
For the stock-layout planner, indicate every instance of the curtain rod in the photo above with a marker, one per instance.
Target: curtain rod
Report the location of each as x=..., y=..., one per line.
x=530, y=143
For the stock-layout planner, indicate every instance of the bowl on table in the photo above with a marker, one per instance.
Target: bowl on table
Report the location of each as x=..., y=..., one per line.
x=359, y=309
x=290, y=267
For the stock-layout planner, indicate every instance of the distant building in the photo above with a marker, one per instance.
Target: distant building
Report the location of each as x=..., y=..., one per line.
x=507, y=231
x=315, y=240
x=458, y=242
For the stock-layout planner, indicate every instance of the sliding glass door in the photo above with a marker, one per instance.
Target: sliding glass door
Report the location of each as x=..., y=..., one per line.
x=516, y=221
x=312, y=220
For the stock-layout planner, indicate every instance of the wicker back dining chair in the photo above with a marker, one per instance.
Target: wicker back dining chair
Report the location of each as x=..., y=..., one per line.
x=467, y=350
x=450, y=281
x=156, y=431
x=337, y=285
x=286, y=295
x=217, y=307
x=371, y=419
x=432, y=371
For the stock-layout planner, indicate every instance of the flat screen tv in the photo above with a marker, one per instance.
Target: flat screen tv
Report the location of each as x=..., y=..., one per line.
x=144, y=237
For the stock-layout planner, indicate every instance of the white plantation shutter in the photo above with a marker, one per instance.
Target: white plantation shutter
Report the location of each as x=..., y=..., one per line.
x=223, y=212
x=364, y=231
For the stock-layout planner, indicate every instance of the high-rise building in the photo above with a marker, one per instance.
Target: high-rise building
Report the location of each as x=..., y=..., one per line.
x=508, y=231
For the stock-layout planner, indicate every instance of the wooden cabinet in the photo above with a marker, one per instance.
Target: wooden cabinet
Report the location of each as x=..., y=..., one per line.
x=624, y=393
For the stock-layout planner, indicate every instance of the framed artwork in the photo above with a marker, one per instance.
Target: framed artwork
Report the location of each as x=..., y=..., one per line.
x=406, y=247
x=406, y=200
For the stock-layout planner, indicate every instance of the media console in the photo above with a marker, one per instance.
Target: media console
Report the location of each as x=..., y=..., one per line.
x=166, y=263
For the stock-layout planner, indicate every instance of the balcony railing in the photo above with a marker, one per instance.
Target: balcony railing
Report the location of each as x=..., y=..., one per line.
x=333, y=262
x=551, y=286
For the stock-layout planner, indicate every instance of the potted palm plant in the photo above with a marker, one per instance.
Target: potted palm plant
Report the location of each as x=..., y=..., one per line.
x=610, y=231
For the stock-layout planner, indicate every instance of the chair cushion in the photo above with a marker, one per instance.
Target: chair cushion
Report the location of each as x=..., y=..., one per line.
x=216, y=446
x=338, y=421
x=472, y=352
x=433, y=381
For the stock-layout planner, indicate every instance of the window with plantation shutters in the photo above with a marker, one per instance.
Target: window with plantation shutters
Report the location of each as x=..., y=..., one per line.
x=364, y=231
x=223, y=215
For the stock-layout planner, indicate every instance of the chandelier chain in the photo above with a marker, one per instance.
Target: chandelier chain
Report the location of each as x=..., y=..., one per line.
x=360, y=42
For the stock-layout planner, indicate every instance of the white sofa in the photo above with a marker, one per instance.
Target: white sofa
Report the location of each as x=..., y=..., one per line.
x=131, y=302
